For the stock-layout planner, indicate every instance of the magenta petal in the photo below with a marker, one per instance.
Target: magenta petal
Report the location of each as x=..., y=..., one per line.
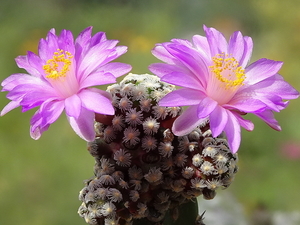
x=192, y=61
x=84, y=124
x=120, y=50
x=245, y=104
x=161, y=53
x=233, y=132
x=35, y=94
x=184, y=80
x=15, y=80
x=202, y=46
x=36, y=63
x=23, y=90
x=66, y=41
x=43, y=50
x=247, y=124
x=97, y=102
x=10, y=106
x=36, y=129
x=273, y=86
x=268, y=117
x=161, y=69
x=182, y=97
x=48, y=47
x=216, y=40
x=247, y=51
x=218, y=119
x=205, y=107
x=98, y=38
x=187, y=121
x=50, y=111
x=98, y=78
x=73, y=106
x=81, y=42
x=116, y=68
x=31, y=63
x=92, y=60
x=36, y=133
x=236, y=45
x=261, y=70
x=272, y=102
x=84, y=36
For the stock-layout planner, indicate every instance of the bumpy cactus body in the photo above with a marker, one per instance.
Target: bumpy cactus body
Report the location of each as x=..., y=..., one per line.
x=142, y=170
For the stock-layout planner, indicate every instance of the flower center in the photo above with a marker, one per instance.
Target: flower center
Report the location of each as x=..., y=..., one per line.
x=60, y=73
x=58, y=66
x=225, y=79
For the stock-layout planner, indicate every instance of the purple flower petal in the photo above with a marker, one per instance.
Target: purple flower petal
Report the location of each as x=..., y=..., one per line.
x=206, y=106
x=92, y=60
x=50, y=111
x=35, y=129
x=84, y=125
x=272, y=86
x=244, y=104
x=261, y=70
x=247, y=51
x=182, y=97
x=98, y=78
x=31, y=63
x=202, y=46
x=90, y=99
x=17, y=79
x=191, y=61
x=10, y=106
x=182, y=79
x=66, y=41
x=233, y=132
x=268, y=117
x=162, y=69
x=73, y=106
x=48, y=47
x=247, y=124
x=161, y=53
x=82, y=43
x=216, y=40
x=99, y=37
x=218, y=119
x=115, y=68
x=187, y=121
x=236, y=45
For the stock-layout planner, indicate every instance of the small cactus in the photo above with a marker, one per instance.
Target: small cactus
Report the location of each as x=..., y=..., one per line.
x=143, y=171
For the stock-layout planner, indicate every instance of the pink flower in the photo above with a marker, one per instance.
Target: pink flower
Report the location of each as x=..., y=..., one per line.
x=60, y=78
x=217, y=84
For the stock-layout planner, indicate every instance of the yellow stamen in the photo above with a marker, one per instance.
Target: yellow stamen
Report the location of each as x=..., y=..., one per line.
x=59, y=65
x=228, y=71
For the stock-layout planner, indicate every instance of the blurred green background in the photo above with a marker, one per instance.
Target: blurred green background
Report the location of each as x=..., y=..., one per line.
x=40, y=180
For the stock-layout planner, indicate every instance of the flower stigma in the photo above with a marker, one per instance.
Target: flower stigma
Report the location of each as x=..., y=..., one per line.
x=226, y=78
x=58, y=66
x=60, y=73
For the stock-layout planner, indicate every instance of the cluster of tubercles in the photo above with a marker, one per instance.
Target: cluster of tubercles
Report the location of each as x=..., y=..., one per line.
x=142, y=169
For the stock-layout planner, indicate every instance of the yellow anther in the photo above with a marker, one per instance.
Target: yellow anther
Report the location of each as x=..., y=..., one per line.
x=59, y=65
x=228, y=71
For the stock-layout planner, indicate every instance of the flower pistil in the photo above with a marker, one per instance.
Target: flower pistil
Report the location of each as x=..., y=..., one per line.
x=59, y=73
x=227, y=77
x=59, y=65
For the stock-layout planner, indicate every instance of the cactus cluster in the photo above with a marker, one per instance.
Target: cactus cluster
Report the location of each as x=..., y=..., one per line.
x=142, y=170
